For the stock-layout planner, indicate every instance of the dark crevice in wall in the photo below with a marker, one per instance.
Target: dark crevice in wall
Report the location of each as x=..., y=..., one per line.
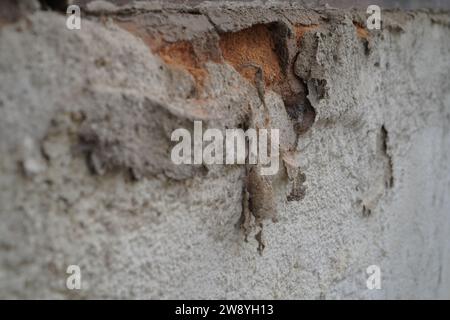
x=389, y=175
x=301, y=112
x=55, y=5
x=281, y=33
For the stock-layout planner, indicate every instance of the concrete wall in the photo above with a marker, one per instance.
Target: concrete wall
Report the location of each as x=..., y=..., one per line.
x=86, y=176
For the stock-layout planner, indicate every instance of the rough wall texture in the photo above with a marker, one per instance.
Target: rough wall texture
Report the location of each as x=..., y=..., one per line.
x=86, y=176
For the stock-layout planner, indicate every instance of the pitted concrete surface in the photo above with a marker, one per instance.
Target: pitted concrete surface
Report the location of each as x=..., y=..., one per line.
x=86, y=176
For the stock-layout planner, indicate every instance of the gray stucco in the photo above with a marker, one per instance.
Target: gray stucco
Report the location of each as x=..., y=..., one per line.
x=85, y=178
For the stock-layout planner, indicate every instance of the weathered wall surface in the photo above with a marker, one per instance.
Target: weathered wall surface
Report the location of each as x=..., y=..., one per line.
x=86, y=176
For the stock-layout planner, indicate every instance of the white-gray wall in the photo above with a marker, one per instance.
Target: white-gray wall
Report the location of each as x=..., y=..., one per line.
x=84, y=181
